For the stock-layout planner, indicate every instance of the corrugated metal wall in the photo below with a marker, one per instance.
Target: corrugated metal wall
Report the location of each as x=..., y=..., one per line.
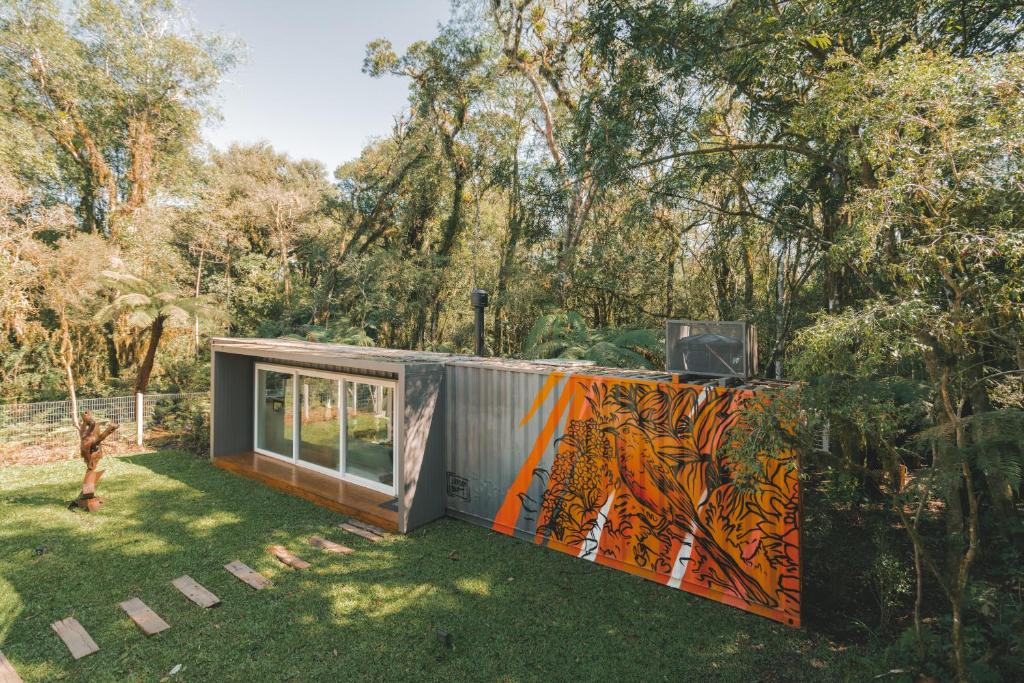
x=625, y=472
x=486, y=444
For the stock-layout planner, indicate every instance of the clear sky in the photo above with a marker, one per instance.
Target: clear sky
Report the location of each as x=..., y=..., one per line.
x=301, y=85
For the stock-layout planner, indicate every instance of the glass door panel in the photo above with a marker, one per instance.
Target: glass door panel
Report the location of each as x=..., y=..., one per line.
x=320, y=422
x=275, y=412
x=369, y=435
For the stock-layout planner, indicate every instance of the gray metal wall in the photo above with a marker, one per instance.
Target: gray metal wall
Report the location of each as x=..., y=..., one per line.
x=423, y=429
x=486, y=444
x=231, y=428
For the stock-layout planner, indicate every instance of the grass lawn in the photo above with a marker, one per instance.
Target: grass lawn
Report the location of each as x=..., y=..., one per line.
x=517, y=612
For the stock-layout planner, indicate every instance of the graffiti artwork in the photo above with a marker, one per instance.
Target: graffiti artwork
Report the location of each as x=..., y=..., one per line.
x=639, y=482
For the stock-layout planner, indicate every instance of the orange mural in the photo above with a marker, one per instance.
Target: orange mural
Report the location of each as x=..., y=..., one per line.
x=639, y=483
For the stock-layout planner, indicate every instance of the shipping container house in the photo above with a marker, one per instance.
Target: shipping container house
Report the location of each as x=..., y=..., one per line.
x=618, y=467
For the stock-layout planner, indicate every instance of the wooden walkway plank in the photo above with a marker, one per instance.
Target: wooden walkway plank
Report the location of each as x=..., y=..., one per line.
x=195, y=592
x=287, y=558
x=144, y=617
x=248, y=575
x=7, y=672
x=369, y=527
x=359, y=531
x=330, y=492
x=78, y=642
x=329, y=546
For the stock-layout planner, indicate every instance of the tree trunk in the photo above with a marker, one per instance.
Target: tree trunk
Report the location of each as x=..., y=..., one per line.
x=453, y=226
x=515, y=228
x=964, y=569
x=780, y=310
x=67, y=362
x=670, y=273
x=230, y=285
x=999, y=489
x=286, y=276
x=87, y=207
x=113, y=362
x=156, y=331
x=72, y=394
x=199, y=277
x=748, y=281
x=918, y=594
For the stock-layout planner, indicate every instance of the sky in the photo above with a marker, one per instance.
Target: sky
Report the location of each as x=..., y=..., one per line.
x=301, y=85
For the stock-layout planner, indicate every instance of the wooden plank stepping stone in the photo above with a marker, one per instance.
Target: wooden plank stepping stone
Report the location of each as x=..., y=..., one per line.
x=329, y=546
x=79, y=643
x=248, y=575
x=369, y=527
x=287, y=558
x=195, y=592
x=360, y=531
x=144, y=617
x=7, y=672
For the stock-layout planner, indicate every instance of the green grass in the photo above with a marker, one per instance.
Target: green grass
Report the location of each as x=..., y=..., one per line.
x=517, y=612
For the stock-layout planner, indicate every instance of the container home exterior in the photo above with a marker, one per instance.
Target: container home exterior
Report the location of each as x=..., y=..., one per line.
x=358, y=430
x=622, y=468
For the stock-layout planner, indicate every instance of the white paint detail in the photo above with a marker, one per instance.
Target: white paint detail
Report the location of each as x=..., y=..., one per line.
x=590, y=546
x=682, y=560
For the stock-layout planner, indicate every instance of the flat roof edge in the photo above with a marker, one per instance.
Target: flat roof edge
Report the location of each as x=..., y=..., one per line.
x=370, y=357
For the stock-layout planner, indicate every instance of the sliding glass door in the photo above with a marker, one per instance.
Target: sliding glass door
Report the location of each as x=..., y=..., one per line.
x=337, y=424
x=320, y=421
x=370, y=452
x=275, y=414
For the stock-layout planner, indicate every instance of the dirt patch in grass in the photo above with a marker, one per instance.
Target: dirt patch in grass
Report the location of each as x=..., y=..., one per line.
x=42, y=454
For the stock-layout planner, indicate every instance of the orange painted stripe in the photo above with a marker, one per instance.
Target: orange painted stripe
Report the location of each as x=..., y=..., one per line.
x=575, y=412
x=542, y=395
x=508, y=513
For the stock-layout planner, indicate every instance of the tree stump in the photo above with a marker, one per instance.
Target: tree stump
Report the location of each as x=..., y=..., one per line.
x=90, y=448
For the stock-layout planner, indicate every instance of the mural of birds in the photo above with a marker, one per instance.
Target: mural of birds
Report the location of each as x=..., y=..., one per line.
x=653, y=478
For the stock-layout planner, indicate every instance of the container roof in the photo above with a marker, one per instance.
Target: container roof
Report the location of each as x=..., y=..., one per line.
x=340, y=352
x=346, y=354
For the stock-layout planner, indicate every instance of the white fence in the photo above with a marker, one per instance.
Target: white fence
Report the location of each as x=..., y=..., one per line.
x=49, y=424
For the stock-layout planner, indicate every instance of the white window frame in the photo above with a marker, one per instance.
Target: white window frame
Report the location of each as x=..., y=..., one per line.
x=343, y=378
x=256, y=410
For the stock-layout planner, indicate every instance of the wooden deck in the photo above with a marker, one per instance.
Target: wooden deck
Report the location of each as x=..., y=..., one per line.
x=320, y=489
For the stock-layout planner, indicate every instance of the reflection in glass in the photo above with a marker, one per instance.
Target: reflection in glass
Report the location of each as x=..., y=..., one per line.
x=369, y=437
x=274, y=412
x=320, y=428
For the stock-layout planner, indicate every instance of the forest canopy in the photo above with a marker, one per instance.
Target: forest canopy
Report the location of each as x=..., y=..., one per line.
x=846, y=176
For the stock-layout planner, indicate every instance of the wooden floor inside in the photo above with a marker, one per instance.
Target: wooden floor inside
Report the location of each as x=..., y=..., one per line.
x=362, y=503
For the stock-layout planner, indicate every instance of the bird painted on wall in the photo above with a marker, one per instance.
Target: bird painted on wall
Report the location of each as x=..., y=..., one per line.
x=653, y=477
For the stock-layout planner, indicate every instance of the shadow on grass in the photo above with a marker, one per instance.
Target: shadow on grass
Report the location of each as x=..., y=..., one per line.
x=516, y=611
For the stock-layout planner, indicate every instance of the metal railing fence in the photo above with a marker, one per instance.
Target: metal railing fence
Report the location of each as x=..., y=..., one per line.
x=49, y=424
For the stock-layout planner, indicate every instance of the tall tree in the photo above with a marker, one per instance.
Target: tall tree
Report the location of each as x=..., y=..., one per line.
x=119, y=89
x=447, y=76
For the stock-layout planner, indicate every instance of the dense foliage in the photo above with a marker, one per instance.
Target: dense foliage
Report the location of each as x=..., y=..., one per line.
x=848, y=176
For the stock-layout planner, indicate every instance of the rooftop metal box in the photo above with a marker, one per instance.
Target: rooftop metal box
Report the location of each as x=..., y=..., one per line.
x=711, y=348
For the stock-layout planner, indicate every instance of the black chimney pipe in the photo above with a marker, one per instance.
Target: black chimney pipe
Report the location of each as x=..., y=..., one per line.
x=479, y=299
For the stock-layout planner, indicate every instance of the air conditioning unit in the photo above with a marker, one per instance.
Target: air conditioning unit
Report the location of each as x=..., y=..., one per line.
x=711, y=348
